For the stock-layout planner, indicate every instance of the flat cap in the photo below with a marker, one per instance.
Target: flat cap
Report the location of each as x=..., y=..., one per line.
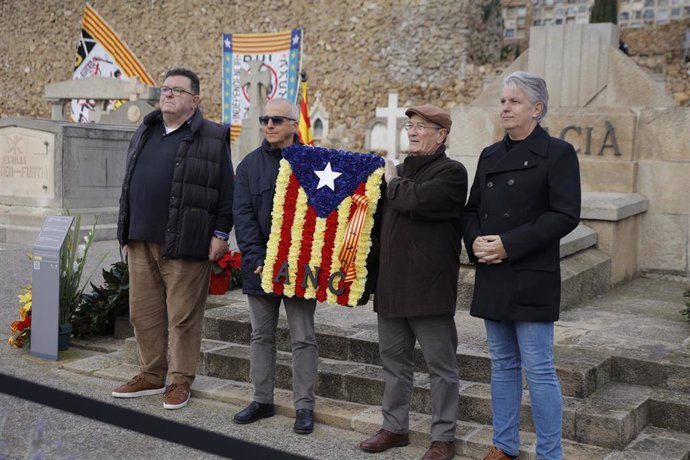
x=431, y=113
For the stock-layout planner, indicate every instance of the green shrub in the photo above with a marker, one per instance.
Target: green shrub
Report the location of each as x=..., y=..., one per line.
x=98, y=309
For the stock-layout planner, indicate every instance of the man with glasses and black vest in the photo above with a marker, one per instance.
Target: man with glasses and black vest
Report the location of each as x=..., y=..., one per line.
x=252, y=206
x=175, y=217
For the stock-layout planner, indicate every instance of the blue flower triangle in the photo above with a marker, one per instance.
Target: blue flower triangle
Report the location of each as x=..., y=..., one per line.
x=355, y=168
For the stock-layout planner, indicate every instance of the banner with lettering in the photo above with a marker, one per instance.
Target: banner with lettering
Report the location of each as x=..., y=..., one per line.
x=322, y=223
x=101, y=52
x=280, y=54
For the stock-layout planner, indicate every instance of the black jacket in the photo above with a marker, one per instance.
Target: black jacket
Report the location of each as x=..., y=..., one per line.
x=201, y=191
x=530, y=196
x=421, y=234
x=252, y=205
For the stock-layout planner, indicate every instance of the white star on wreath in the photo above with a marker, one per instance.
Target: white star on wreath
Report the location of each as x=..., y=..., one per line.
x=327, y=177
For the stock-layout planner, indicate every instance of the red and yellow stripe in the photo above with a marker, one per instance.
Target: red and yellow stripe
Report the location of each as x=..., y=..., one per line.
x=304, y=126
x=261, y=43
x=96, y=26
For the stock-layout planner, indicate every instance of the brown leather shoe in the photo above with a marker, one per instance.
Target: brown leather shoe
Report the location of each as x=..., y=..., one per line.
x=177, y=396
x=137, y=387
x=497, y=454
x=384, y=440
x=440, y=450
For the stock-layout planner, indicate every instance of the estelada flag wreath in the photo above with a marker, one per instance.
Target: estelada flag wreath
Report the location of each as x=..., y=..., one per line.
x=322, y=220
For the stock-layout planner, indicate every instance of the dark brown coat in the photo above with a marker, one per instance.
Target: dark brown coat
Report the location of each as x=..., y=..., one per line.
x=421, y=233
x=530, y=196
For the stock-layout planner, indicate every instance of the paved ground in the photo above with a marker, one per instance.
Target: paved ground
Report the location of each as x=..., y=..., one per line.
x=21, y=422
x=640, y=318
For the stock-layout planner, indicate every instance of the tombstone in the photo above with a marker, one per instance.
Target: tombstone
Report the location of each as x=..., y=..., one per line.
x=250, y=136
x=319, y=120
x=376, y=135
x=47, y=166
x=631, y=140
x=389, y=117
x=135, y=99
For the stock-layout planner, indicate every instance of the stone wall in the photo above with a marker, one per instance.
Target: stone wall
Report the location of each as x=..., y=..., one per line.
x=355, y=51
x=659, y=50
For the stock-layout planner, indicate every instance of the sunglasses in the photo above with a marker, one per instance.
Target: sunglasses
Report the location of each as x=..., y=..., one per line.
x=277, y=120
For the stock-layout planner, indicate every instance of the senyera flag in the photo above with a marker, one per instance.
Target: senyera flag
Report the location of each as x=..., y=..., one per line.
x=322, y=222
x=101, y=52
x=304, y=126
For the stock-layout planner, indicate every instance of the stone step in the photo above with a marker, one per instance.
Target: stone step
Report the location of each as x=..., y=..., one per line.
x=584, y=275
x=22, y=224
x=472, y=439
x=611, y=417
x=581, y=371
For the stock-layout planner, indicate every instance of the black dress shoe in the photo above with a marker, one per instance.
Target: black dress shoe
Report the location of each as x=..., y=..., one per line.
x=304, y=421
x=253, y=412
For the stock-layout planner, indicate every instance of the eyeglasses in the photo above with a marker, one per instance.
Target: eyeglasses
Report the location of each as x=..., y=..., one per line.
x=276, y=119
x=419, y=126
x=176, y=91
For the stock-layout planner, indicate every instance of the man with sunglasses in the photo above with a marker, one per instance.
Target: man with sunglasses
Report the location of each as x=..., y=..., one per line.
x=175, y=217
x=419, y=262
x=252, y=206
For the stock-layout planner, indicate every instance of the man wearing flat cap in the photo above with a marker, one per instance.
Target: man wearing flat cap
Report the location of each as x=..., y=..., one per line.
x=421, y=231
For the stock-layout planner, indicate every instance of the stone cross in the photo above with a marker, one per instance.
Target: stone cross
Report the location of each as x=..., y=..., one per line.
x=250, y=135
x=258, y=82
x=391, y=113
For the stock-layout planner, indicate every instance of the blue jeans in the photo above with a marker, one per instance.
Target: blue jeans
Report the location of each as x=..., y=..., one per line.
x=514, y=345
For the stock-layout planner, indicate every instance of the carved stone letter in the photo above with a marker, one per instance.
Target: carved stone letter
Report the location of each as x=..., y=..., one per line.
x=610, y=131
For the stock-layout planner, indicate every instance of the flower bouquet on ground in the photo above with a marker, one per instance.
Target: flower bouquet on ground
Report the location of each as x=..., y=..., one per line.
x=225, y=273
x=21, y=329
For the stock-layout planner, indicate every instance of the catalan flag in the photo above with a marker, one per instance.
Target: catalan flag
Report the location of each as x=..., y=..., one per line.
x=322, y=220
x=280, y=53
x=304, y=129
x=101, y=52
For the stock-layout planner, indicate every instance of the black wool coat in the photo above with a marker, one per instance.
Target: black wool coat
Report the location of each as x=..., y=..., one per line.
x=530, y=196
x=421, y=234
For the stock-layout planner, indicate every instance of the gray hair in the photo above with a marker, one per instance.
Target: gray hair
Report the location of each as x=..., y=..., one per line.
x=534, y=87
x=294, y=110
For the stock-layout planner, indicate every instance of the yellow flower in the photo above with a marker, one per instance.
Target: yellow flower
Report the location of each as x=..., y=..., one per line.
x=284, y=174
x=343, y=220
x=373, y=193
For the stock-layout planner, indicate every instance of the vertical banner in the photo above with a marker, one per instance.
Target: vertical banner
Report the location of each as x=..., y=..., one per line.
x=102, y=53
x=280, y=54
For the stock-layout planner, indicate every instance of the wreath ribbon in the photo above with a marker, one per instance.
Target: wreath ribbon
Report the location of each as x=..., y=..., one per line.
x=352, y=234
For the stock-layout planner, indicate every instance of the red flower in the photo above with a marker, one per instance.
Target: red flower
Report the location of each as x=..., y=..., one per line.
x=225, y=273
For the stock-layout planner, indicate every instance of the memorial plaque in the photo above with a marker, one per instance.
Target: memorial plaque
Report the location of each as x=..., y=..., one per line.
x=46, y=286
x=26, y=163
